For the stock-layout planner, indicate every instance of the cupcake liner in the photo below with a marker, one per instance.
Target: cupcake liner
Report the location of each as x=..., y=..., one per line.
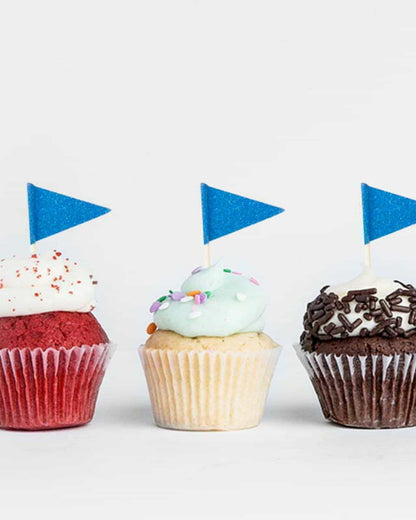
x=52, y=388
x=372, y=391
x=208, y=390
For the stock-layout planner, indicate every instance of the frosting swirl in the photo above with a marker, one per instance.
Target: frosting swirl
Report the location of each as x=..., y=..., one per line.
x=212, y=302
x=366, y=306
x=44, y=283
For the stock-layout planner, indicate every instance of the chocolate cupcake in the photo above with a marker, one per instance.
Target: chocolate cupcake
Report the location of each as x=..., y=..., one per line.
x=359, y=348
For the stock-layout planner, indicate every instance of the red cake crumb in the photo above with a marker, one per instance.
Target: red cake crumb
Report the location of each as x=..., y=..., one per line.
x=51, y=330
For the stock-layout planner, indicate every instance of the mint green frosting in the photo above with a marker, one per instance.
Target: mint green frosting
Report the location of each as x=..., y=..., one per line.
x=234, y=303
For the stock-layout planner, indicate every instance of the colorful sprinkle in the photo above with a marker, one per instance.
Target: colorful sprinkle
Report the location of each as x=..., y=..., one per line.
x=186, y=299
x=241, y=297
x=208, y=293
x=227, y=270
x=193, y=293
x=155, y=306
x=177, y=296
x=200, y=298
x=164, y=306
x=197, y=269
x=195, y=314
x=162, y=299
x=151, y=328
x=253, y=280
x=236, y=272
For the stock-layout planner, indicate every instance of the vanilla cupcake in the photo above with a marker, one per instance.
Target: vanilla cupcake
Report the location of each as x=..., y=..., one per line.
x=207, y=362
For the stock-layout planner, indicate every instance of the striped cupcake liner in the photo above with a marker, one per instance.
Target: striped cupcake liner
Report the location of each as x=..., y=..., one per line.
x=208, y=390
x=52, y=388
x=372, y=391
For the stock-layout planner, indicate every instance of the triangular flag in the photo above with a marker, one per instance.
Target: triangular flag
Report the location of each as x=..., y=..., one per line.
x=385, y=212
x=50, y=212
x=224, y=212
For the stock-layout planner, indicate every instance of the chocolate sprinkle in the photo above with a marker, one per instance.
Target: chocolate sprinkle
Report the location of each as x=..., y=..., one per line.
x=397, y=301
x=342, y=318
x=326, y=316
x=329, y=328
x=356, y=323
x=399, y=308
x=377, y=312
x=399, y=321
x=380, y=327
x=385, y=308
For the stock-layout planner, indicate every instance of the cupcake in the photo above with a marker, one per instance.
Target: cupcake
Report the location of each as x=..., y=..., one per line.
x=359, y=348
x=53, y=351
x=207, y=362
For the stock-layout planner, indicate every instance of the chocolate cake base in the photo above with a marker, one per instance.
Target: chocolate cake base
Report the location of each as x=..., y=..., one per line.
x=356, y=345
x=367, y=389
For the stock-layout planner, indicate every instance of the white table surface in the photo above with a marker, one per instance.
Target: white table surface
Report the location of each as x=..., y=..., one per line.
x=294, y=465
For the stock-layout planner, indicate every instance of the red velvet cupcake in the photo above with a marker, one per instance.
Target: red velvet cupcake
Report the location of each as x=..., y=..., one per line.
x=53, y=351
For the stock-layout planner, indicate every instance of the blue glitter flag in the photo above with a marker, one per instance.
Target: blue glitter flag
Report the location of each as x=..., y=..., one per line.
x=385, y=212
x=224, y=212
x=51, y=213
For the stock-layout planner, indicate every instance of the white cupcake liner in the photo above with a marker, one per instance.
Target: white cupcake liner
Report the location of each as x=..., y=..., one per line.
x=51, y=388
x=372, y=391
x=208, y=390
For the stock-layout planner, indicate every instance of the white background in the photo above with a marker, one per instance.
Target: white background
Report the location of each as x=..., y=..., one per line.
x=131, y=104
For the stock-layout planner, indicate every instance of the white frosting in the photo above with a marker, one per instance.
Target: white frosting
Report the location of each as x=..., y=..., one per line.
x=44, y=283
x=368, y=280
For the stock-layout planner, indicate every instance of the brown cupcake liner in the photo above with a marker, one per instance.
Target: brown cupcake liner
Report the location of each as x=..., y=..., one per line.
x=208, y=390
x=52, y=388
x=372, y=391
